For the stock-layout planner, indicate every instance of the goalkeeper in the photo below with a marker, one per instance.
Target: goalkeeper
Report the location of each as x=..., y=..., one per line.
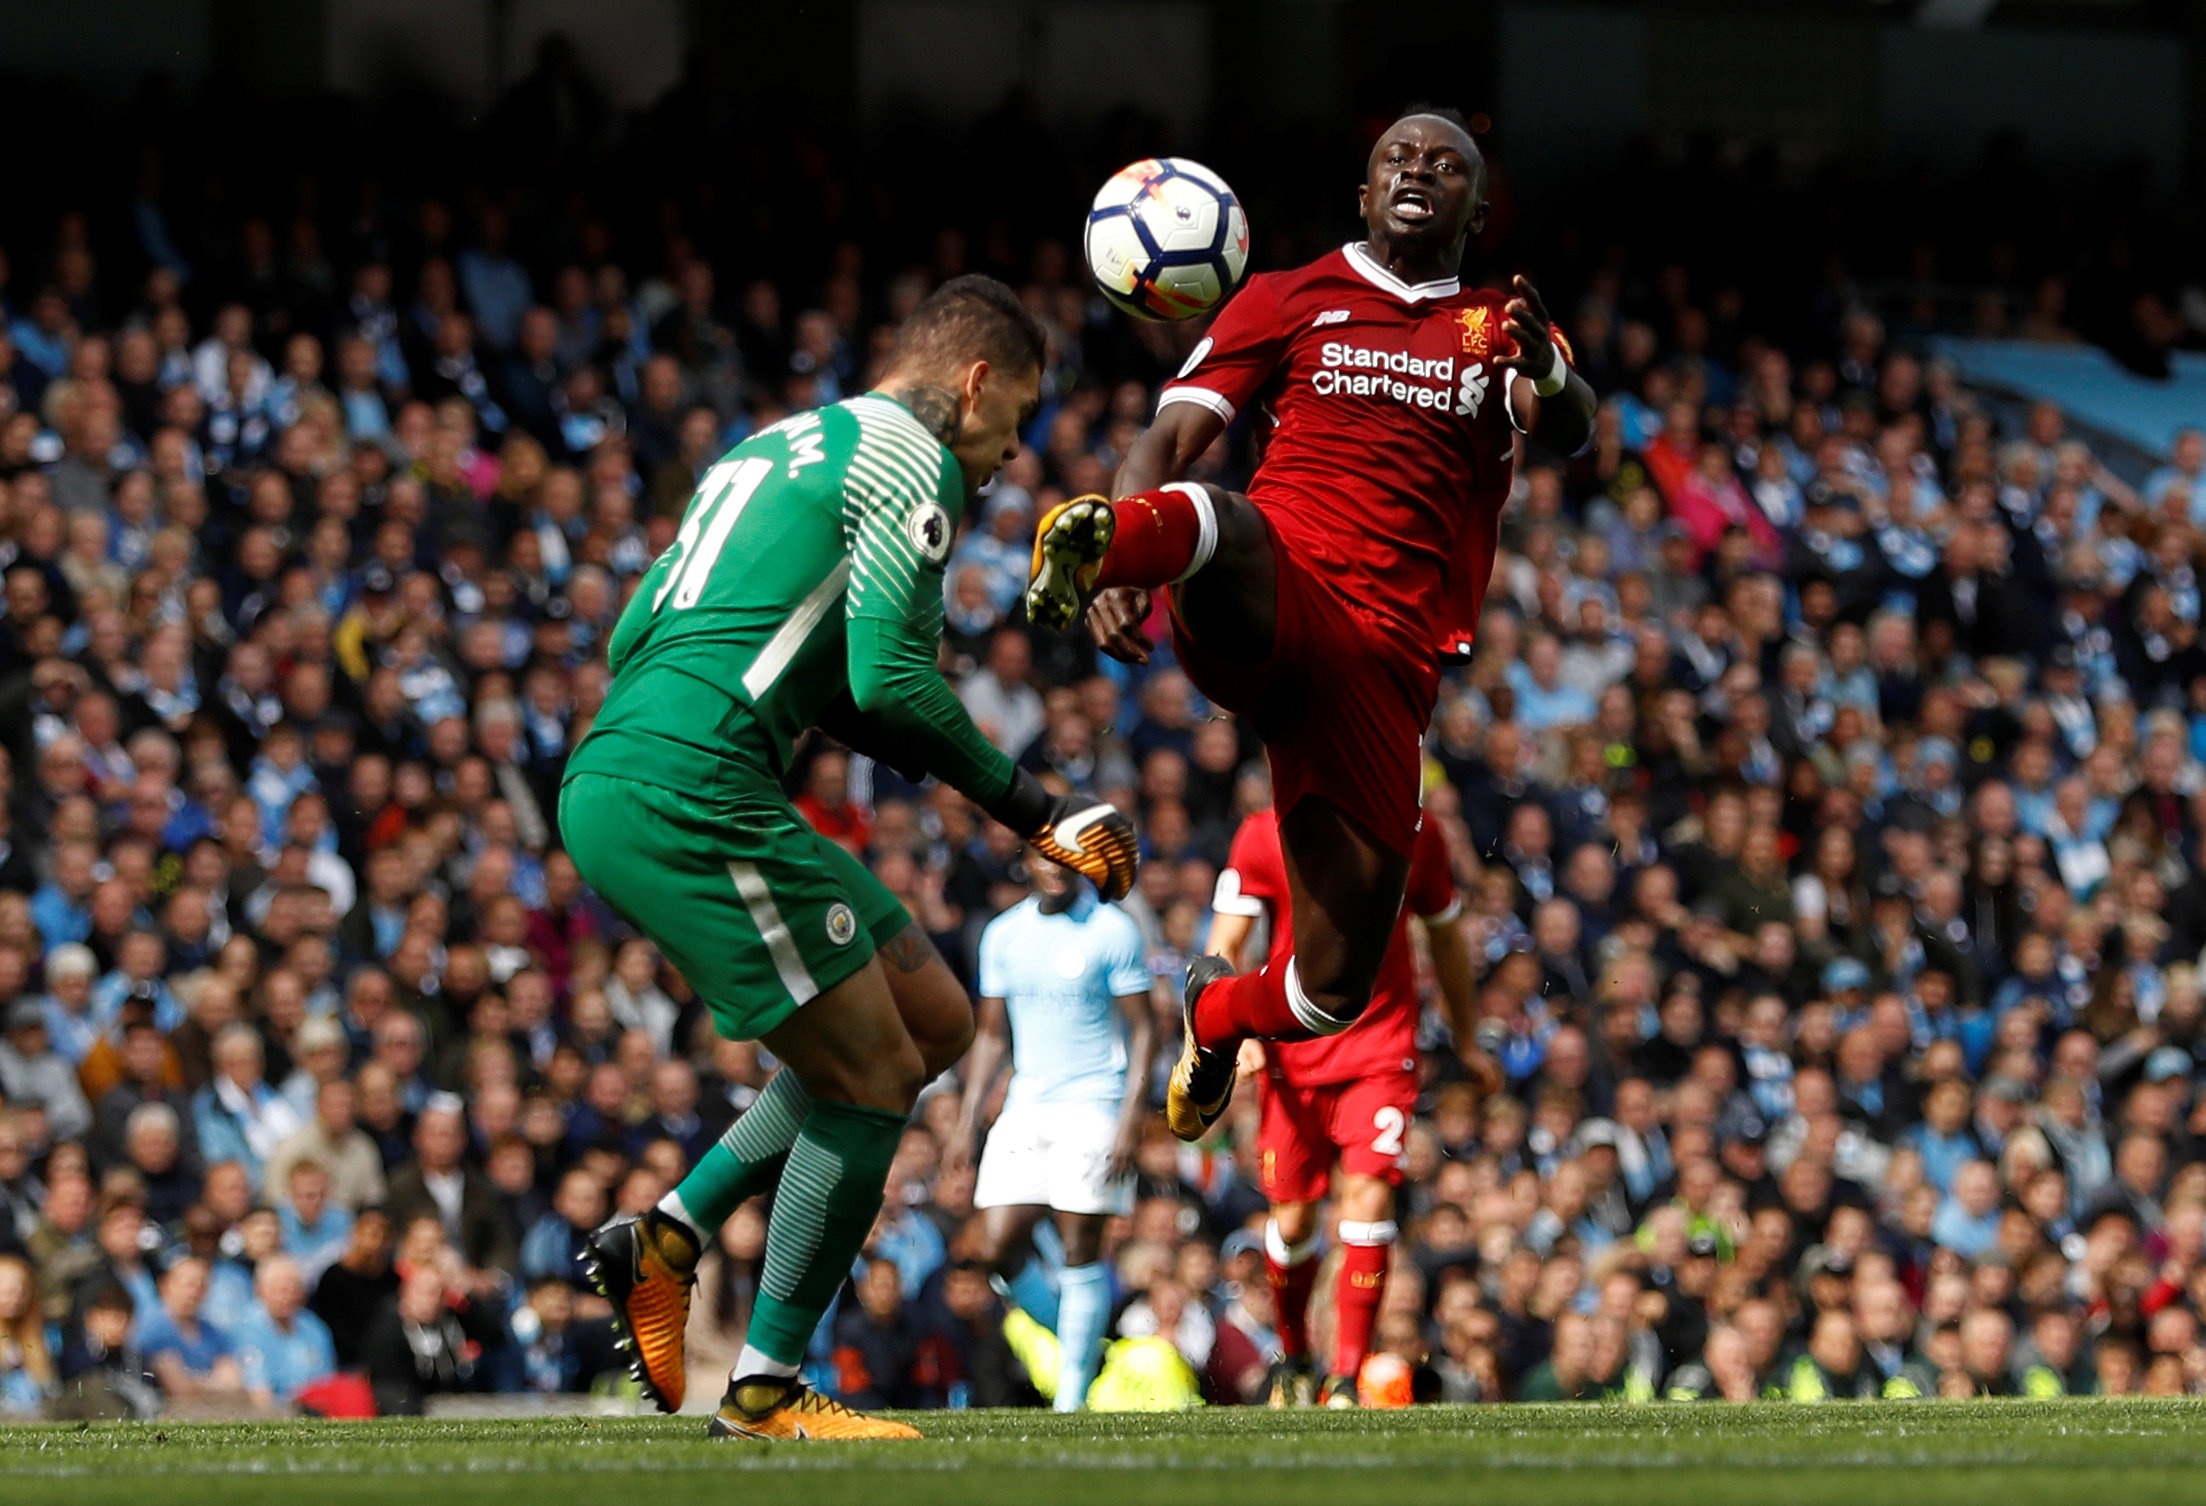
x=805, y=590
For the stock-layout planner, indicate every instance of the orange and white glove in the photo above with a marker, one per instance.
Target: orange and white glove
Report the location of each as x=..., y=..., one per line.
x=1092, y=838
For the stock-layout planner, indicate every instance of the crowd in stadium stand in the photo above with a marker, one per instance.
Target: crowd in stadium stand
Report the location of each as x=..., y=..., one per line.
x=1825, y=789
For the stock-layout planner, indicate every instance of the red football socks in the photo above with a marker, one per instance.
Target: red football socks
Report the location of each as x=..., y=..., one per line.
x=1157, y=538
x=1357, y=1292
x=1291, y=1283
x=1232, y=1009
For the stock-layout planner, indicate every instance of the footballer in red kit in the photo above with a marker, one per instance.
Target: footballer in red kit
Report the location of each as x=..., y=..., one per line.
x=1318, y=605
x=1347, y=1098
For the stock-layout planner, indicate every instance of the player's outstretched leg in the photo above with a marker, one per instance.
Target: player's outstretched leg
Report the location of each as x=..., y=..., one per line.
x=1202, y=1079
x=1182, y=534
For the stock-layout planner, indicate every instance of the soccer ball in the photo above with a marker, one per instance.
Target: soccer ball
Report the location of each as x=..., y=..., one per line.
x=1385, y=1381
x=1167, y=239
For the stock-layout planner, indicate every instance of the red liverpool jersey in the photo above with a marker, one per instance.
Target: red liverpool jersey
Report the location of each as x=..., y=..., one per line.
x=1254, y=883
x=1389, y=442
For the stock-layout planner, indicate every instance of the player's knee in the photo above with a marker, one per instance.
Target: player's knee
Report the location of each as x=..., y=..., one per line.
x=889, y=1079
x=1240, y=525
x=903, y=1075
x=1296, y=1222
x=1338, y=997
x=1082, y=1239
x=1366, y=1199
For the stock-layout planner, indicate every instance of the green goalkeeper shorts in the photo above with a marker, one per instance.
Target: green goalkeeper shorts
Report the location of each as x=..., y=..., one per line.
x=759, y=911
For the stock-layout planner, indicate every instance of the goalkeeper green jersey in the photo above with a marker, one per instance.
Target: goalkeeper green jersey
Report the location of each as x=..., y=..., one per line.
x=809, y=562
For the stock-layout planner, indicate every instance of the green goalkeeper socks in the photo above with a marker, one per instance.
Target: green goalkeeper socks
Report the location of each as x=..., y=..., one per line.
x=829, y=1196
x=745, y=1161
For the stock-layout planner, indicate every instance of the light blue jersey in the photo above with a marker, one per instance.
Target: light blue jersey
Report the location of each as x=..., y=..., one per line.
x=1060, y=977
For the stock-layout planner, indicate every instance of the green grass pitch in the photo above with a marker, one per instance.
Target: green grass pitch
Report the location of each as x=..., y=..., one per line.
x=2010, y=1453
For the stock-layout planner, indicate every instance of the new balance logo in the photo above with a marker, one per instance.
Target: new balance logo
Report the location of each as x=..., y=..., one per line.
x=1330, y=316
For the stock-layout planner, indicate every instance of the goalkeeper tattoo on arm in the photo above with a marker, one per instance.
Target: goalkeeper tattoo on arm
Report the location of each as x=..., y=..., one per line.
x=909, y=950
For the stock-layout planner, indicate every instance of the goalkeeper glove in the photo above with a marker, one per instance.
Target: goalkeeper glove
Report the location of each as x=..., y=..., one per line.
x=1091, y=838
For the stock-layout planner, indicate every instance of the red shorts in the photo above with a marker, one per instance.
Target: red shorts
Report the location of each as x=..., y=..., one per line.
x=1363, y=1124
x=1342, y=704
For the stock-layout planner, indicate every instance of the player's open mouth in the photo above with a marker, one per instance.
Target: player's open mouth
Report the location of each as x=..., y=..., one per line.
x=1412, y=204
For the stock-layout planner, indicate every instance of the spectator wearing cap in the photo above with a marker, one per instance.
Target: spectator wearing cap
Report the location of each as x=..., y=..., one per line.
x=1846, y=982
x=2002, y=1109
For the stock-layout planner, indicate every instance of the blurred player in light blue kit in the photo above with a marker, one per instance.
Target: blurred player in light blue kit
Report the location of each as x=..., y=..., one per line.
x=1064, y=976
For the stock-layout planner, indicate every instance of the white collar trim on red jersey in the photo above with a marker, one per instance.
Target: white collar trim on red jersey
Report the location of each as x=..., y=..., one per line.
x=1379, y=277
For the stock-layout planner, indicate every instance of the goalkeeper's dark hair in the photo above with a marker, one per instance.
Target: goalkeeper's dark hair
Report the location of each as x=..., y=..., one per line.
x=971, y=318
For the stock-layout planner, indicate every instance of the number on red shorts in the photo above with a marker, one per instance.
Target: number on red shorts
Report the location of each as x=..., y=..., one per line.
x=1389, y=1122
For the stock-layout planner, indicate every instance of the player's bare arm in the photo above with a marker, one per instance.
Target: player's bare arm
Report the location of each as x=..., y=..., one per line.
x=1453, y=971
x=1133, y=1109
x=983, y=1067
x=1168, y=448
x=1229, y=937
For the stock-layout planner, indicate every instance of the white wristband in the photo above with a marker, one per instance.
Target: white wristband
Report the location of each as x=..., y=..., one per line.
x=1558, y=373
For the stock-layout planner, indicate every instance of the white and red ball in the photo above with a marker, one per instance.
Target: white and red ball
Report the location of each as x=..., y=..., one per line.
x=1167, y=239
x=1386, y=1380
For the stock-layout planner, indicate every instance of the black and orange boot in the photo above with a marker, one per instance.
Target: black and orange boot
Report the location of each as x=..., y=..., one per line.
x=645, y=1266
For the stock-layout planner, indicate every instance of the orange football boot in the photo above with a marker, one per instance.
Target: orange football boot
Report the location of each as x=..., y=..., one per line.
x=771, y=1407
x=1069, y=546
x=645, y=1267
